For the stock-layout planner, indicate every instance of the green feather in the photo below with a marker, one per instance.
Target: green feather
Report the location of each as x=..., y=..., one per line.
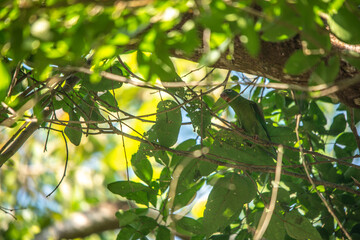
x=249, y=115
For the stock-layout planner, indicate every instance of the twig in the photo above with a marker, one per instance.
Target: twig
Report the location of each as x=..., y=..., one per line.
x=127, y=69
x=194, y=70
x=262, y=142
x=320, y=90
x=66, y=163
x=353, y=127
x=215, y=159
x=14, y=79
x=329, y=208
x=29, y=128
x=268, y=212
x=197, y=84
x=8, y=211
x=126, y=159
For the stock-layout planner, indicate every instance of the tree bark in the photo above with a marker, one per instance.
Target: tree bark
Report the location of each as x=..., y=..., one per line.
x=271, y=61
x=79, y=225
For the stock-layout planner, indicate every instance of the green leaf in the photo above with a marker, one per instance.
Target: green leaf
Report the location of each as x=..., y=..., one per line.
x=299, y=227
x=351, y=173
x=127, y=233
x=279, y=101
x=338, y=125
x=354, y=60
x=283, y=26
x=316, y=40
x=137, y=229
x=188, y=176
x=192, y=169
x=283, y=135
x=104, y=52
x=243, y=234
x=315, y=119
x=209, y=100
x=356, y=114
x=226, y=152
x=226, y=200
x=165, y=178
x=126, y=217
x=109, y=101
x=138, y=192
x=276, y=32
x=345, y=25
x=89, y=110
x=168, y=123
x=5, y=81
x=184, y=146
x=299, y=63
x=206, y=168
x=325, y=73
x=345, y=145
x=164, y=67
x=163, y=233
x=103, y=83
x=185, y=198
x=249, y=36
x=187, y=39
x=145, y=66
x=141, y=165
x=145, y=225
x=188, y=226
x=276, y=228
x=73, y=130
x=199, y=114
x=162, y=158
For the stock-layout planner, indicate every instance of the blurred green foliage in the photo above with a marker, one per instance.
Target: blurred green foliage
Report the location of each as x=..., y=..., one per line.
x=91, y=75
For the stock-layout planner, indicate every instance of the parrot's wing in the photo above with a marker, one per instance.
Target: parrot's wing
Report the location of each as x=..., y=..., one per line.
x=260, y=117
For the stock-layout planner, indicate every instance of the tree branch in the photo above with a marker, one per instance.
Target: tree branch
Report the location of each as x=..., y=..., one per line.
x=29, y=128
x=78, y=225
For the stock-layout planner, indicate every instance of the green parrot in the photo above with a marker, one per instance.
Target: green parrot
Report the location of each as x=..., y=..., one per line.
x=249, y=115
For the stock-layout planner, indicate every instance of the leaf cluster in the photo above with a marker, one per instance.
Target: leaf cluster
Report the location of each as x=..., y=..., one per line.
x=61, y=69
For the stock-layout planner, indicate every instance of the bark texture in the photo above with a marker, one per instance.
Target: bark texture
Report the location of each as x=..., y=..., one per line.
x=271, y=61
x=82, y=224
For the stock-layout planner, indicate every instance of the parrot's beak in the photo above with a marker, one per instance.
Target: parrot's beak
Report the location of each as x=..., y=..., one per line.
x=225, y=97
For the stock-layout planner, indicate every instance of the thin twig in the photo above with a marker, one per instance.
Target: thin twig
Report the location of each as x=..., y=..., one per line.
x=192, y=71
x=302, y=158
x=262, y=142
x=127, y=69
x=226, y=162
x=353, y=127
x=126, y=159
x=66, y=163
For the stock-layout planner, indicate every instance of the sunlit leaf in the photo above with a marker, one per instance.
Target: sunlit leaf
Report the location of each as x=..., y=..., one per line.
x=132, y=191
x=343, y=25
x=5, y=81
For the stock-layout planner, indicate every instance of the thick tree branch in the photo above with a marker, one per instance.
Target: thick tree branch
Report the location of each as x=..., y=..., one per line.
x=79, y=225
x=271, y=60
x=270, y=64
